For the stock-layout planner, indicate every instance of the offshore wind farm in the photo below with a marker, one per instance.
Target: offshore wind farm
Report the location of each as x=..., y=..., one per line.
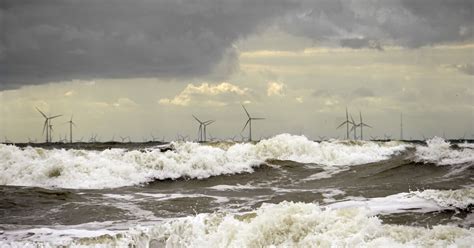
x=236, y=123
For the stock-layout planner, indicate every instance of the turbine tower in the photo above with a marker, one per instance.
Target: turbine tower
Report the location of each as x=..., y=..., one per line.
x=71, y=123
x=50, y=132
x=401, y=126
x=249, y=122
x=354, y=128
x=47, y=126
x=346, y=122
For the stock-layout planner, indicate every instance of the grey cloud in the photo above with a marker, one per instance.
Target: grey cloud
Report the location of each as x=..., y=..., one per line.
x=52, y=40
x=321, y=93
x=357, y=43
x=466, y=68
x=408, y=23
x=363, y=92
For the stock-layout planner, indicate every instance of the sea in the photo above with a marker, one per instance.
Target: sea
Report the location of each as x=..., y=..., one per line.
x=283, y=191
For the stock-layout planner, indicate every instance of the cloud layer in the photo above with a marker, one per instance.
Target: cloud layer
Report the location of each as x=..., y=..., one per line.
x=213, y=95
x=49, y=40
x=62, y=40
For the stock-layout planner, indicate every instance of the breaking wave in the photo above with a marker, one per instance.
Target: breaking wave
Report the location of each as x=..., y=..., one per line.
x=119, y=167
x=439, y=151
x=285, y=224
x=429, y=200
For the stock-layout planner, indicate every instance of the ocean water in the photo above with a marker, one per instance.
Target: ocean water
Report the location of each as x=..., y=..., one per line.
x=285, y=191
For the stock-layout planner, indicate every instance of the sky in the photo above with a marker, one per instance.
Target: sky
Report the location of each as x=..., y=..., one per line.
x=143, y=68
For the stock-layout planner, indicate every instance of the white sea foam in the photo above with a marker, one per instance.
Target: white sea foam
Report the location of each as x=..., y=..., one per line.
x=238, y=187
x=466, y=145
x=414, y=201
x=282, y=225
x=119, y=167
x=439, y=151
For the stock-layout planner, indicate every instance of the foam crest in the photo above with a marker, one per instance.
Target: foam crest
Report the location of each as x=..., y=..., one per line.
x=119, y=167
x=439, y=151
x=114, y=167
x=334, y=152
x=429, y=200
x=282, y=225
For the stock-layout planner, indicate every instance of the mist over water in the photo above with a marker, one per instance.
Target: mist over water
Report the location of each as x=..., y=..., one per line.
x=284, y=191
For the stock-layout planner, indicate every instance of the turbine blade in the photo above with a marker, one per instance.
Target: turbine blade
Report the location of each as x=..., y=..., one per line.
x=56, y=116
x=365, y=125
x=198, y=120
x=245, y=125
x=257, y=118
x=41, y=112
x=342, y=124
x=206, y=123
x=246, y=110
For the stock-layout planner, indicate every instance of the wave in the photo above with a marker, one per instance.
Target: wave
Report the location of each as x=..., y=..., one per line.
x=285, y=224
x=425, y=201
x=440, y=152
x=119, y=167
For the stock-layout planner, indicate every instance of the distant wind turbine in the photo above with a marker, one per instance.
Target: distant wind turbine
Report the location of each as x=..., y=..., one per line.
x=362, y=125
x=47, y=124
x=202, y=128
x=346, y=122
x=71, y=123
x=249, y=122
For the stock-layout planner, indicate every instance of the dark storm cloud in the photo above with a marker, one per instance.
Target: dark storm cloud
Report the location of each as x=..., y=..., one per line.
x=52, y=40
x=357, y=43
x=61, y=40
x=367, y=23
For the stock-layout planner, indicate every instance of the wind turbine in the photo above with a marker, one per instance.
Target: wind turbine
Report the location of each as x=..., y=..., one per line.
x=201, y=124
x=206, y=123
x=47, y=124
x=361, y=125
x=249, y=122
x=93, y=138
x=346, y=122
x=202, y=128
x=71, y=123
